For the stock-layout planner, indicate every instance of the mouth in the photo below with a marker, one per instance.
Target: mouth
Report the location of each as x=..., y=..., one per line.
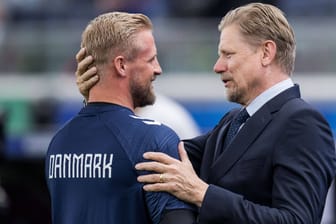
x=152, y=84
x=226, y=82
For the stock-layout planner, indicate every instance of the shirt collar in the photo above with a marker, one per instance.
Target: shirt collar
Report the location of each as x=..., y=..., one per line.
x=267, y=95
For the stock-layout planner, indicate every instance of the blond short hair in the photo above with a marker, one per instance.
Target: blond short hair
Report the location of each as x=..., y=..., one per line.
x=111, y=34
x=259, y=22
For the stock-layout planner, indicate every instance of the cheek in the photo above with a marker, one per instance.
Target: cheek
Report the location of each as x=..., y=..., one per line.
x=235, y=66
x=145, y=76
x=145, y=70
x=237, y=70
x=242, y=75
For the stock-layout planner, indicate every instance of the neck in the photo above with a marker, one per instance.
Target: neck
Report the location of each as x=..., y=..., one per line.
x=269, y=81
x=114, y=100
x=112, y=89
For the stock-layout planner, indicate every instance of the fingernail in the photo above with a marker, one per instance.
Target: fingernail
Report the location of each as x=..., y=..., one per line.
x=147, y=154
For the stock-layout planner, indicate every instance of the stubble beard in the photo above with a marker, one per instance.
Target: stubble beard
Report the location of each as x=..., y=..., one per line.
x=235, y=95
x=142, y=95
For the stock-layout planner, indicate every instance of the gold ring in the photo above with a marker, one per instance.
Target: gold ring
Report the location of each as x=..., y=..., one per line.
x=161, y=178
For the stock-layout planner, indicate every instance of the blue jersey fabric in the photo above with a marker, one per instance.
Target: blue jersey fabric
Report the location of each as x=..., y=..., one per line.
x=90, y=168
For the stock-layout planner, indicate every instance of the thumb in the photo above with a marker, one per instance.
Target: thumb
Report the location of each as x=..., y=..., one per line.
x=183, y=153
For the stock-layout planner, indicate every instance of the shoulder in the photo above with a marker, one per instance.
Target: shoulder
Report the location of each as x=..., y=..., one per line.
x=150, y=125
x=157, y=136
x=302, y=123
x=144, y=134
x=300, y=109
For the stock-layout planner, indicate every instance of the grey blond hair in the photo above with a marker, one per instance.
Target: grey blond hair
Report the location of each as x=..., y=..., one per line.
x=260, y=22
x=113, y=33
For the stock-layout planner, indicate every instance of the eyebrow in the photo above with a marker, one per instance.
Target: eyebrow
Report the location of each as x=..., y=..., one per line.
x=225, y=52
x=152, y=58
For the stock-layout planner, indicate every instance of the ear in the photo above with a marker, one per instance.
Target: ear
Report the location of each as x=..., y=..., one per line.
x=269, y=50
x=120, y=65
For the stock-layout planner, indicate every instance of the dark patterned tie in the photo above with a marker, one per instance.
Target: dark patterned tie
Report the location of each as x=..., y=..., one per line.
x=237, y=121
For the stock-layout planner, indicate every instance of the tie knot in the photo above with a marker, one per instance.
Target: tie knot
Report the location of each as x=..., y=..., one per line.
x=238, y=120
x=242, y=116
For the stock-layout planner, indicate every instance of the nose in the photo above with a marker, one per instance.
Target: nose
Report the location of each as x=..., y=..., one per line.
x=220, y=66
x=157, y=68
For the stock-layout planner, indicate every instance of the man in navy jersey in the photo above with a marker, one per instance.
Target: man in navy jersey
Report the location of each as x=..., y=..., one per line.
x=90, y=161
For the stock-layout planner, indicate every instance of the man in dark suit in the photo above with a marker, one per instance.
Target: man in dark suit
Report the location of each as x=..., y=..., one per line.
x=279, y=166
x=271, y=161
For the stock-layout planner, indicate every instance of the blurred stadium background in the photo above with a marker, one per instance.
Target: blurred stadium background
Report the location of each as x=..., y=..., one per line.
x=38, y=43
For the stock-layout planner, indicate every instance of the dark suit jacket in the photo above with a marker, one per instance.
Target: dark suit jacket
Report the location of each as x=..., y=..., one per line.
x=277, y=169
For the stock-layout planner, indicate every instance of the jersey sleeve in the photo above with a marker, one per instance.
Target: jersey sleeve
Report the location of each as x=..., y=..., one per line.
x=159, y=202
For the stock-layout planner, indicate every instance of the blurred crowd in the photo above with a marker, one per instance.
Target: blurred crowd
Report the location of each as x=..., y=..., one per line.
x=41, y=36
x=23, y=10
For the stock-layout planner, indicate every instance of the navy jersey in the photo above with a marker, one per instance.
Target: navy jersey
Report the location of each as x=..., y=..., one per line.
x=90, y=168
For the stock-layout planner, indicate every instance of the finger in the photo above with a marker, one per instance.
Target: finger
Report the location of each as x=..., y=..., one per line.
x=87, y=78
x=159, y=157
x=183, y=154
x=151, y=178
x=151, y=166
x=80, y=54
x=156, y=187
x=84, y=65
x=90, y=74
x=84, y=87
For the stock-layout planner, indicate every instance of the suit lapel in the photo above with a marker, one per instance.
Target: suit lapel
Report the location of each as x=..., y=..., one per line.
x=249, y=132
x=211, y=148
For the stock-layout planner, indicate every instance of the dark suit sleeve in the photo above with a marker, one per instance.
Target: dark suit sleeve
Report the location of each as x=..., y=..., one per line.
x=303, y=166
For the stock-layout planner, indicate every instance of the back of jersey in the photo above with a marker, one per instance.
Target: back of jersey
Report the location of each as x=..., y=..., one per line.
x=91, y=178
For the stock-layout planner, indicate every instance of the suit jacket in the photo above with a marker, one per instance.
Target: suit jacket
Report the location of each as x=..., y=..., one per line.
x=276, y=170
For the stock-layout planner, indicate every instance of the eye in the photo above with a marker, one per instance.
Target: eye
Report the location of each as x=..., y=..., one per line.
x=228, y=55
x=151, y=60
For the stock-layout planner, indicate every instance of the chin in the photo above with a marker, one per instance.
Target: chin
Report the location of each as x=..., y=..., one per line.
x=149, y=100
